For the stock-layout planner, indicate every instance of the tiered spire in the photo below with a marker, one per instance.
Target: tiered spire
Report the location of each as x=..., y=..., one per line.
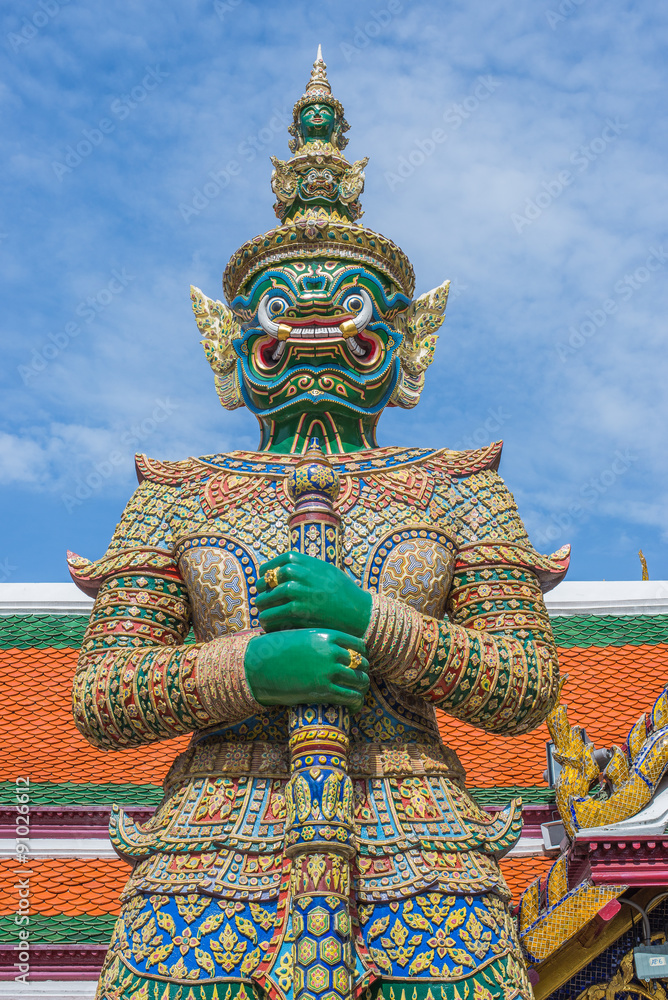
x=318, y=84
x=318, y=91
x=318, y=198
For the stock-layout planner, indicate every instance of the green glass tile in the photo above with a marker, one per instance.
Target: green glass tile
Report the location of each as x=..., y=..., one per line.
x=69, y=793
x=42, y=631
x=61, y=929
x=530, y=795
x=46, y=631
x=48, y=793
x=610, y=630
x=67, y=631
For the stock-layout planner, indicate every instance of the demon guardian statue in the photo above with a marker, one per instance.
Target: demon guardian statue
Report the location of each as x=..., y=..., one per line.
x=316, y=839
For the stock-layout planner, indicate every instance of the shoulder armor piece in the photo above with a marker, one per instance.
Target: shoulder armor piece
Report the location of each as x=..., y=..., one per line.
x=171, y=473
x=90, y=575
x=550, y=570
x=465, y=463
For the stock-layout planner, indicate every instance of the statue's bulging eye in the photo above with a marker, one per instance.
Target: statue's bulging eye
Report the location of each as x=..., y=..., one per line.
x=275, y=307
x=353, y=303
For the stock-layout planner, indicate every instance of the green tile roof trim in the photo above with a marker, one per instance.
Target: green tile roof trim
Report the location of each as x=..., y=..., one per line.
x=67, y=631
x=501, y=796
x=73, y=794
x=45, y=631
x=69, y=793
x=42, y=631
x=61, y=929
x=610, y=630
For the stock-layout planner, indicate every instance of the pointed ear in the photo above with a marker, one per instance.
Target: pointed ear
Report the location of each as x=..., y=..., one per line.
x=219, y=327
x=218, y=324
x=351, y=185
x=416, y=352
x=425, y=314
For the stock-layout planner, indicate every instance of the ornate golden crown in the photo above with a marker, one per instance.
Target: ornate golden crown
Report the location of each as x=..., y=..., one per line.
x=318, y=233
x=314, y=230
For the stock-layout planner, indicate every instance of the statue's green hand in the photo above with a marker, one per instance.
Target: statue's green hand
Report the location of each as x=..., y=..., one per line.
x=306, y=666
x=311, y=592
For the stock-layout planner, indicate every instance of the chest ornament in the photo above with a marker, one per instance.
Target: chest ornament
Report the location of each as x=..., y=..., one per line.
x=414, y=565
x=230, y=489
x=221, y=577
x=412, y=485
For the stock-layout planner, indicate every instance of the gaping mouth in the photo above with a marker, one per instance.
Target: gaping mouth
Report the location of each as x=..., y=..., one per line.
x=346, y=327
x=342, y=327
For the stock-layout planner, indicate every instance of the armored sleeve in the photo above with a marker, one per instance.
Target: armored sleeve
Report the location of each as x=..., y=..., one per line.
x=137, y=680
x=492, y=661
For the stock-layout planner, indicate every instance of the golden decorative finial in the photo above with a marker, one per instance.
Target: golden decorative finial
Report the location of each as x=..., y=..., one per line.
x=318, y=81
x=643, y=563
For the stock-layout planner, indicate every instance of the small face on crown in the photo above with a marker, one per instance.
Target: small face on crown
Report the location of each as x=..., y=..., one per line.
x=317, y=121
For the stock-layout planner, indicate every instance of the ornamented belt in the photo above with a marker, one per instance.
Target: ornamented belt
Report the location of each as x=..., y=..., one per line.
x=212, y=757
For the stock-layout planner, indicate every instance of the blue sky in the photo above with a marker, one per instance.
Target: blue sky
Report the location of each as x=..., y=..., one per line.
x=518, y=149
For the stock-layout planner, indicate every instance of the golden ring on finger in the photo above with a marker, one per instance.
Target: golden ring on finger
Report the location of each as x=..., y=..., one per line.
x=271, y=579
x=355, y=659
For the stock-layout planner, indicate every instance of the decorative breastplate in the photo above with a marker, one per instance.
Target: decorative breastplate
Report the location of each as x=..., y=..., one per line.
x=413, y=564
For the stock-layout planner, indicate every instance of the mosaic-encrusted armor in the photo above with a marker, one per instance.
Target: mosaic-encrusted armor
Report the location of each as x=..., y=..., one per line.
x=458, y=622
x=436, y=530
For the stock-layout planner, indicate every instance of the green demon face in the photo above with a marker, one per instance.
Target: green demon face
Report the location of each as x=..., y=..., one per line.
x=317, y=122
x=318, y=333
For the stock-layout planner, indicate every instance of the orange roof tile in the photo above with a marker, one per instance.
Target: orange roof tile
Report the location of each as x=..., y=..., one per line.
x=73, y=887
x=520, y=872
x=64, y=886
x=608, y=688
x=38, y=738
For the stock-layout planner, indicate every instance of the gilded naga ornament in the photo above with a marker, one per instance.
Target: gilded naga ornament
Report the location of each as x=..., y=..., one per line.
x=301, y=612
